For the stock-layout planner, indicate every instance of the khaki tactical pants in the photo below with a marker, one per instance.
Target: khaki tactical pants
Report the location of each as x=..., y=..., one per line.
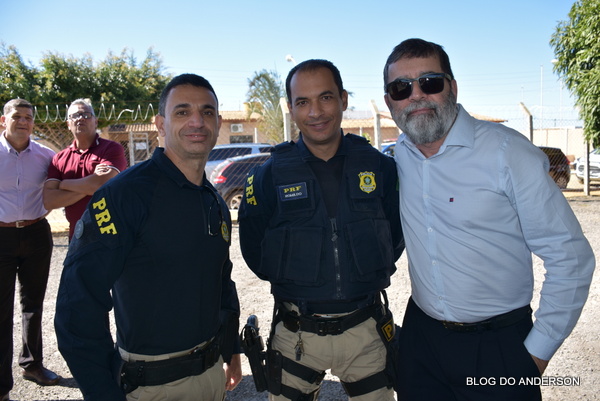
x=353, y=355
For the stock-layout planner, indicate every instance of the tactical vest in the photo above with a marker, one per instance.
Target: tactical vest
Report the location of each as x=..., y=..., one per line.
x=309, y=257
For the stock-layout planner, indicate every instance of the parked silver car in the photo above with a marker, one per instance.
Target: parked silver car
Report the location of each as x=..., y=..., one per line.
x=594, y=166
x=222, y=152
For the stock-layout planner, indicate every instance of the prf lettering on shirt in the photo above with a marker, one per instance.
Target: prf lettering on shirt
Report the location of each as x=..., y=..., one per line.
x=250, y=198
x=103, y=218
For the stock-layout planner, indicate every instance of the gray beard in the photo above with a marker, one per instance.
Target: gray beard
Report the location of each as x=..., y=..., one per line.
x=425, y=129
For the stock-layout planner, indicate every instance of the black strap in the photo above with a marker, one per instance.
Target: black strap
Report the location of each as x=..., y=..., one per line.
x=303, y=372
x=494, y=323
x=328, y=326
x=367, y=385
x=154, y=373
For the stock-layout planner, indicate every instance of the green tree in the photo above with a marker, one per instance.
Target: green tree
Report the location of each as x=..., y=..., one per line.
x=115, y=84
x=118, y=79
x=62, y=79
x=576, y=44
x=265, y=90
x=17, y=79
x=122, y=79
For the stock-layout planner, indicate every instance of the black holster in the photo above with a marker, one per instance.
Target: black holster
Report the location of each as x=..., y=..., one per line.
x=253, y=347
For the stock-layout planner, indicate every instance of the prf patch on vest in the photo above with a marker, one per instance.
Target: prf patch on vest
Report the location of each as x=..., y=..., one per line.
x=293, y=191
x=367, y=181
x=103, y=218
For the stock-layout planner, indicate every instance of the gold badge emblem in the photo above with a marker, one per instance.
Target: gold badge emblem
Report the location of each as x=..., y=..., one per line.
x=225, y=231
x=367, y=181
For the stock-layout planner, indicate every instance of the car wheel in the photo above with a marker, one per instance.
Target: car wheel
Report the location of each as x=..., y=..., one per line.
x=235, y=200
x=562, y=181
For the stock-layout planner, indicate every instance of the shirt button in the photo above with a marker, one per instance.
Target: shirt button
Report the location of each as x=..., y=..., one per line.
x=429, y=229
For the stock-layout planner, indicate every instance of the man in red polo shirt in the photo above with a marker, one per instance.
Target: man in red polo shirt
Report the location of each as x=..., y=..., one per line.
x=79, y=170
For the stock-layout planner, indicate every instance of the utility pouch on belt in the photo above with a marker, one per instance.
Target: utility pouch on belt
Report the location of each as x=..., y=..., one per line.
x=390, y=334
x=253, y=347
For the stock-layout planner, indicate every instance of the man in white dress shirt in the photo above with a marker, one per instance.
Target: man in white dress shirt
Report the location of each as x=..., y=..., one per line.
x=476, y=200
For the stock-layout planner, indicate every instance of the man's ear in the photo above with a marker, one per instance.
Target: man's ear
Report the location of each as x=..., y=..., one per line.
x=159, y=121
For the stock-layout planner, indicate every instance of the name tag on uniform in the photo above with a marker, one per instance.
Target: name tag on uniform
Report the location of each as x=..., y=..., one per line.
x=293, y=191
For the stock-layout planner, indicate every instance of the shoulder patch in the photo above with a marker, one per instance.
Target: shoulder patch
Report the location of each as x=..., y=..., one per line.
x=79, y=228
x=103, y=218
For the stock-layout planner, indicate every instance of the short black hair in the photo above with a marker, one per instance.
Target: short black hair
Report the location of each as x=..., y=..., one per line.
x=312, y=65
x=183, y=79
x=417, y=48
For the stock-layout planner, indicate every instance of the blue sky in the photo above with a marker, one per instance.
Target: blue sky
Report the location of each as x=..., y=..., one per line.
x=499, y=50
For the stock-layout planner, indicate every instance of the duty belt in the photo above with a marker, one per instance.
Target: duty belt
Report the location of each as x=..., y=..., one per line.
x=328, y=325
x=155, y=373
x=497, y=322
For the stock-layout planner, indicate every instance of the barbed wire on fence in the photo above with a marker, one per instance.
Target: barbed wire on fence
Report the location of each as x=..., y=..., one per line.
x=53, y=113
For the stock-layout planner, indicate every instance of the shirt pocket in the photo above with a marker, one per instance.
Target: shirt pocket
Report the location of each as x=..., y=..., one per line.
x=292, y=255
x=364, y=191
x=370, y=246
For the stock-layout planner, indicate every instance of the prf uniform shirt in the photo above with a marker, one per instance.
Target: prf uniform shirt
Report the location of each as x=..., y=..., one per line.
x=161, y=244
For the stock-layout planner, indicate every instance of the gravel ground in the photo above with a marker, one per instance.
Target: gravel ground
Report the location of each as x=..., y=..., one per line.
x=579, y=357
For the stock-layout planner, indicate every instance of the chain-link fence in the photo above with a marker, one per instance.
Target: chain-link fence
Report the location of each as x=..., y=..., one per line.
x=557, y=128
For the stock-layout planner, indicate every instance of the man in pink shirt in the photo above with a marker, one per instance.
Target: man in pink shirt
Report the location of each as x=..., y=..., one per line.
x=25, y=244
x=79, y=170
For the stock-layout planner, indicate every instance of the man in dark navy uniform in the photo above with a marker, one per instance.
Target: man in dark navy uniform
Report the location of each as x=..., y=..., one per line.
x=319, y=221
x=158, y=237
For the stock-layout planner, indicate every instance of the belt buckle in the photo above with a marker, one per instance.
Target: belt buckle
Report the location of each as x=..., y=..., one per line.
x=463, y=327
x=333, y=327
x=451, y=325
x=18, y=223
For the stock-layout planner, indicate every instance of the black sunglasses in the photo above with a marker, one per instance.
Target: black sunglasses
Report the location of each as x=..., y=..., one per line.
x=430, y=84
